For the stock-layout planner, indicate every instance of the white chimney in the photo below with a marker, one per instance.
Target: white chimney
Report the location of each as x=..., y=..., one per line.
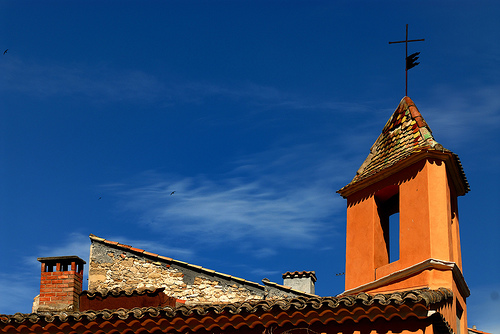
x=300, y=280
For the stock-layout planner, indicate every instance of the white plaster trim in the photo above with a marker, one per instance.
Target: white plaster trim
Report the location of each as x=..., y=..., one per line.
x=415, y=269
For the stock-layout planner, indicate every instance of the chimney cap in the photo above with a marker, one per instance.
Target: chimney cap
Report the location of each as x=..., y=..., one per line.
x=61, y=259
x=300, y=274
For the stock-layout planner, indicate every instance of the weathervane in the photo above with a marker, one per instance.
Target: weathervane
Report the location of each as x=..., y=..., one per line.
x=411, y=59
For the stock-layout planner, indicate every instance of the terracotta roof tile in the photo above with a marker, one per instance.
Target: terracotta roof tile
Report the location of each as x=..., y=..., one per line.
x=137, y=250
x=251, y=314
x=150, y=254
x=116, y=292
x=405, y=133
x=165, y=258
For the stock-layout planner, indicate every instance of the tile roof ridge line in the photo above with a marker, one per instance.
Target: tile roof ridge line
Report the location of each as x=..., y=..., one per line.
x=423, y=127
x=373, y=148
x=239, y=307
x=127, y=292
x=415, y=113
x=164, y=258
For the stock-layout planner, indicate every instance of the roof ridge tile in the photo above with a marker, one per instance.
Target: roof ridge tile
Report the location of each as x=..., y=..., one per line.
x=168, y=259
x=427, y=297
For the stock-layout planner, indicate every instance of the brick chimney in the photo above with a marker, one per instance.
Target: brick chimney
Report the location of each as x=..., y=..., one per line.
x=60, y=284
x=300, y=280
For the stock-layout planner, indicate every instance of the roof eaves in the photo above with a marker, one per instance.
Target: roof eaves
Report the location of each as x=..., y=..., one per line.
x=453, y=164
x=117, y=293
x=417, y=303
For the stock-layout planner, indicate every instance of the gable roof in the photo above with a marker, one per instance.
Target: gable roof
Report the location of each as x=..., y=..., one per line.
x=301, y=311
x=267, y=287
x=406, y=133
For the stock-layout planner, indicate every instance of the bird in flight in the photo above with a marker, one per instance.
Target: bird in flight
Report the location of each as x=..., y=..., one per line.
x=5, y=51
x=172, y=193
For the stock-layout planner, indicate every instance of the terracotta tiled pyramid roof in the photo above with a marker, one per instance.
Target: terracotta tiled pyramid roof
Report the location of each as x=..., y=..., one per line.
x=404, y=134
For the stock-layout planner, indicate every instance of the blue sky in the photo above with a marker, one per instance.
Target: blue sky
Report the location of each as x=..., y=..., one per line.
x=253, y=112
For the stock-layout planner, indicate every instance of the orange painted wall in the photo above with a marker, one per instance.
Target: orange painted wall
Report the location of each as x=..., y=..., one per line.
x=425, y=216
x=360, y=241
x=455, y=233
x=432, y=279
x=427, y=229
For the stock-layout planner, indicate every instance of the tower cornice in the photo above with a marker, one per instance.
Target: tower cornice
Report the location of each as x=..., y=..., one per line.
x=453, y=166
x=429, y=264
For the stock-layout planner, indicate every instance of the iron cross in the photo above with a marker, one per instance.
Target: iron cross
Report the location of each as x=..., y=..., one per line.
x=410, y=61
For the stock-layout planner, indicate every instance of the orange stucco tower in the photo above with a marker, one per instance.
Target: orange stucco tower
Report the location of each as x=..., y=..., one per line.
x=404, y=197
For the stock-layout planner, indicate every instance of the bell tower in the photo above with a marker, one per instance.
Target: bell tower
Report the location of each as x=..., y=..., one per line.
x=402, y=215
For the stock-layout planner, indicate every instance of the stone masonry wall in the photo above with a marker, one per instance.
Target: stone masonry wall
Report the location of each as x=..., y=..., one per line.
x=113, y=268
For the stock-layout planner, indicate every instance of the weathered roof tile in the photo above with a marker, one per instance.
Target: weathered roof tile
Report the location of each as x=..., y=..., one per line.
x=208, y=317
x=405, y=133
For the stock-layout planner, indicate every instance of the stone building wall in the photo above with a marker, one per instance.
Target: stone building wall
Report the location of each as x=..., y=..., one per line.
x=114, y=267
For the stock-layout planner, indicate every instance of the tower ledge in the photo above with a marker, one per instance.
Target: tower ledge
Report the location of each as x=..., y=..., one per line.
x=429, y=264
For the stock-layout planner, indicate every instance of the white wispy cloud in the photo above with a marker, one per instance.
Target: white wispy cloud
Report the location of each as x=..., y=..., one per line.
x=22, y=284
x=101, y=83
x=483, y=307
x=76, y=244
x=458, y=115
x=285, y=197
x=105, y=84
x=17, y=289
x=152, y=246
x=228, y=210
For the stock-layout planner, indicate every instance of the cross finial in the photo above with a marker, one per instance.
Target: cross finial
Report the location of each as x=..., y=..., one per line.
x=410, y=60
